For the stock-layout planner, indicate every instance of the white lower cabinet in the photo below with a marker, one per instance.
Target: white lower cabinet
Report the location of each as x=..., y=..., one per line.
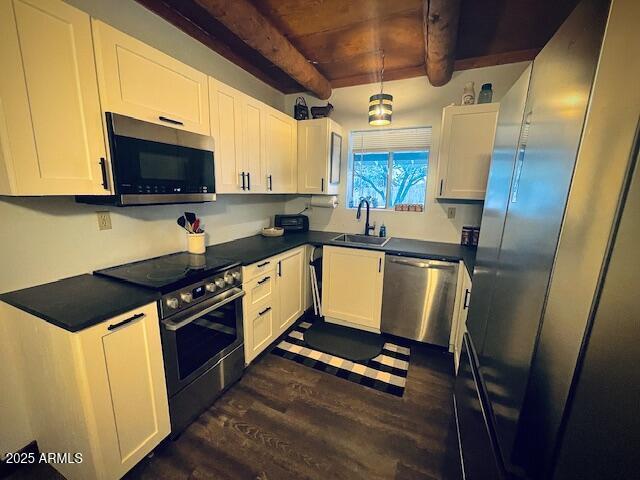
x=460, y=312
x=274, y=299
x=99, y=392
x=290, y=286
x=352, y=287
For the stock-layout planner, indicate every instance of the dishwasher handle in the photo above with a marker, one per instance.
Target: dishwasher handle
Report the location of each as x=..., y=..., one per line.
x=421, y=264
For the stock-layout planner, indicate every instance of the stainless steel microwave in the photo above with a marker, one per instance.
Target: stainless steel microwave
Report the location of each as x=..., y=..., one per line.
x=153, y=164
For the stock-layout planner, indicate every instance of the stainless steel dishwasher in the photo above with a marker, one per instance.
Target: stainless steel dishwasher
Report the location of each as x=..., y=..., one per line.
x=418, y=298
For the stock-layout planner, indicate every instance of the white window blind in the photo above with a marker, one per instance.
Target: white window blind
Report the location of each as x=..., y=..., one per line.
x=392, y=139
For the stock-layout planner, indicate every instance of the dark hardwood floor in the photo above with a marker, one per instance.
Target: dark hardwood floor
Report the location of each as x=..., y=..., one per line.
x=287, y=421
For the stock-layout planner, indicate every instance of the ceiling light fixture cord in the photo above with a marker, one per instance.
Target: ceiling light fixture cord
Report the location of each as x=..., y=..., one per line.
x=382, y=77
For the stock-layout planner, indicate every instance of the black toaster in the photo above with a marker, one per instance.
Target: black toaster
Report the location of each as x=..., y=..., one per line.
x=292, y=223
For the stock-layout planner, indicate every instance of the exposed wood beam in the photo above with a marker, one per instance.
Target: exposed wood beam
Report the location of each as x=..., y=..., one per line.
x=440, y=26
x=374, y=77
x=496, y=59
x=245, y=21
x=187, y=25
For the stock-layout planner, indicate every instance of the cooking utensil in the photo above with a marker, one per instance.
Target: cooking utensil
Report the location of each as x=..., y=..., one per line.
x=196, y=226
x=182, y=222
x=190, y=216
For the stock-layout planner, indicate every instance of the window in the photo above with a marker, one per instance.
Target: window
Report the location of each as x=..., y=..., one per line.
x=389, y=167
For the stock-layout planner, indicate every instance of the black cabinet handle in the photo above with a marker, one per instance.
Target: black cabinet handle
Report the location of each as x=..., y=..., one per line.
x=379, y=265
x=103, y=169
x=243, y=185
x=322, y=185
x=280, y=268
x=264, y=311
x=124, y=322
x=270, y=178
x=441, y=182
x=248, y=180
x=260, y=282
x=170, y=120
x=465, y=304
x=260, y=265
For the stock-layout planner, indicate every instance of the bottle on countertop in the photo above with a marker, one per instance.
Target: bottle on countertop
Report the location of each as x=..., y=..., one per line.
x=486, y=93
x=383, y=231
x=469, y=94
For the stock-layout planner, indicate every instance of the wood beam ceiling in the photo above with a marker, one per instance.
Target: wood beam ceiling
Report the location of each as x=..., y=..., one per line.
x=245, y=21
x=440, y=26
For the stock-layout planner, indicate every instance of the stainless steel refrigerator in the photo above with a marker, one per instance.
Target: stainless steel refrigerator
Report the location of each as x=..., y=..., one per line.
x=558, y=185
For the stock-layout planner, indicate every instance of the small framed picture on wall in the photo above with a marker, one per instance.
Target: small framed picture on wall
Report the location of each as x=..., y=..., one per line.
x=336, y=156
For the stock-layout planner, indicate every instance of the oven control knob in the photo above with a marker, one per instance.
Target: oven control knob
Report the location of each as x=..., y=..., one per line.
x=172, y=303
x=236, y=275
x=228, y=278
x=211, y=287
x=219, y=282
x=186, y=297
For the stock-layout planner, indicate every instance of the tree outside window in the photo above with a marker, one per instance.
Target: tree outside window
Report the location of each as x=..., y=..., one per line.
x=387, y=179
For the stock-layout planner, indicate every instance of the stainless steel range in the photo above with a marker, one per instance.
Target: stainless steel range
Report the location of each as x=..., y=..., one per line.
x=200, y=323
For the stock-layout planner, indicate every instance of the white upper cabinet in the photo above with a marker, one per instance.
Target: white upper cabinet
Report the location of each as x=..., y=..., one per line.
x=51, y=135
x=255, y=144
x=466, y=145
x=253, y=131
x=139, y=81
x=226, y=129
x=319, y=141
x=281, y=132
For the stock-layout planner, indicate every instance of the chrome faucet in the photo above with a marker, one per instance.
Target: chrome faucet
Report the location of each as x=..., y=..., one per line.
x=367, y=227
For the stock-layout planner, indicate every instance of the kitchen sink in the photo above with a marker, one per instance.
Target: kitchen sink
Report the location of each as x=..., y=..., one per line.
x=362, y=239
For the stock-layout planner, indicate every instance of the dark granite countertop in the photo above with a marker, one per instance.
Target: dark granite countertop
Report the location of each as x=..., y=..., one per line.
x=252, y=249
x=79, y=302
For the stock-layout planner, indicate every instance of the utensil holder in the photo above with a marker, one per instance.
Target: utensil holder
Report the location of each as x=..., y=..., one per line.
x=195, y=243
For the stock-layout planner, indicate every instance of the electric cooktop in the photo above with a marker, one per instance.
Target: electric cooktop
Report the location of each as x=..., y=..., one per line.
x=169, y=272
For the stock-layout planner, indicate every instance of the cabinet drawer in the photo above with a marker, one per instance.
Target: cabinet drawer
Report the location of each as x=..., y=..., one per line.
x=259, y=290
x=259, y=329
x=259, y=268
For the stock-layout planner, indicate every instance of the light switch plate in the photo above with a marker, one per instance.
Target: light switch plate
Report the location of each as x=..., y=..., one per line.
x=104, y=220
x=451, y=212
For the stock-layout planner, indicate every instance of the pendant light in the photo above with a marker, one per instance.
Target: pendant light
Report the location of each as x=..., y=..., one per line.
x=381, y=104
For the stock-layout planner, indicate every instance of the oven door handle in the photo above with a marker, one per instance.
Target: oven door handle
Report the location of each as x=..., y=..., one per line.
x=236, y=293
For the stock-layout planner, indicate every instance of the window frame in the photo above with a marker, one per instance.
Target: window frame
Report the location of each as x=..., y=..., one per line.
x=390, y=152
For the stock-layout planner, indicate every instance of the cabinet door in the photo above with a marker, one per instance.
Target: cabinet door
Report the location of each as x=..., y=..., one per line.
x=281, y=147
x=253, y=125
x=465, y=150
x=352, y=286
x=259, y=330
x=226, y=129
x=126, y=383
x=290, y=268
x=313, y=155
x=139, y=81
x=461, y=321
x=51, y=137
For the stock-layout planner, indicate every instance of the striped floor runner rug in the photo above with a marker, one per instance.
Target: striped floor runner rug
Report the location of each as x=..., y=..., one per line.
x=387, y=372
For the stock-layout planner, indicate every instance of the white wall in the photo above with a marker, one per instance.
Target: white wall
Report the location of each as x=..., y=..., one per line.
x=415, y=103
x=44, y=239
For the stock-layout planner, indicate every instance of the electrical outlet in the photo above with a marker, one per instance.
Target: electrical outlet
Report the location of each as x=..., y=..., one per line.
x=451, y=212
x=104, y=220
